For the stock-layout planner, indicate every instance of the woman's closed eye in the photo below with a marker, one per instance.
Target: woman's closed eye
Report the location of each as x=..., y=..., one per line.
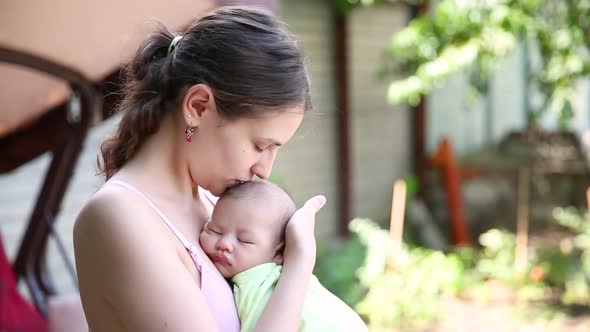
x=260, y=147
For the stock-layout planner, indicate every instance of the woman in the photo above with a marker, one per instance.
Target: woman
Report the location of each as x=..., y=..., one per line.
x=208, y=108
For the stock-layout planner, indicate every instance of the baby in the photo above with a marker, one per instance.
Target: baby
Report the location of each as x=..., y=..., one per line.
x=245, y=240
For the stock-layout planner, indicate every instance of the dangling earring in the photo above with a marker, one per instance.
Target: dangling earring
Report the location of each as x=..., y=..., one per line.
x=189, y=134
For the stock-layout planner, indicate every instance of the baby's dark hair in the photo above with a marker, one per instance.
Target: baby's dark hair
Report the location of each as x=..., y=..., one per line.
x=269, y=193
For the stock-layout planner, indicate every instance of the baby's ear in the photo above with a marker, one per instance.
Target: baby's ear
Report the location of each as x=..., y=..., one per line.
x=278, y=259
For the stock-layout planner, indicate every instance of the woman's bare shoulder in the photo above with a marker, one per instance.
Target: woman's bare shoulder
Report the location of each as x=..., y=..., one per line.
x=108, y=207
x=115, y=222
x=124, y=259
x=106, y=227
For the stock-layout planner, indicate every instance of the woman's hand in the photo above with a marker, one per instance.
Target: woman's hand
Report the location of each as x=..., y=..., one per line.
x=283, y=310
x=300, y=242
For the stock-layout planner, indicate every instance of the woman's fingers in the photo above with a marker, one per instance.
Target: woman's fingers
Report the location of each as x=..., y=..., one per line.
x=299, y=234
x=306, y=214
x=314, y=204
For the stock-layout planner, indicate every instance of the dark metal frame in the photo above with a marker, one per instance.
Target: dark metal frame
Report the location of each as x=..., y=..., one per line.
x=64, y=139
x=418, y=122
x=342, y=118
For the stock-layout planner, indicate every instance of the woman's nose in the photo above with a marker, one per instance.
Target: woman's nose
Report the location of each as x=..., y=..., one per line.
x=263, y=166
x=224, y=245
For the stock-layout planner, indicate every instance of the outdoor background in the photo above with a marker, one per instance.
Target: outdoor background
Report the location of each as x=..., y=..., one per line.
x=446, y=289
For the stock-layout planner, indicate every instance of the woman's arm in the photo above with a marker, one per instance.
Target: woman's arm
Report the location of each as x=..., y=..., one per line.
x=283, y=310
x=130, y=273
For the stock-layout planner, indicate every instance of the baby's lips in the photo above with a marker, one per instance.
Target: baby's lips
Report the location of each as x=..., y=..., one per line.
x=220, y=258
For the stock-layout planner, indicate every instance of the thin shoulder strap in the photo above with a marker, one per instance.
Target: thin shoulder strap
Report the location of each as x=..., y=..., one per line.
x=170, y=225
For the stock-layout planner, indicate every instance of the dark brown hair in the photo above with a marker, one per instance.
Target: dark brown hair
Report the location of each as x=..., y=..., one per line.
x=245, y=55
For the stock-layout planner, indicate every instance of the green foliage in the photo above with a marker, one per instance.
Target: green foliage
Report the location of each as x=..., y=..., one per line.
x=403, y=287
x=278, y=180
x=409, y=294
x=473, y=36
x=412, y=187
x=568, y=265
x=337, y=267
x=496, y=260
x=577, y=221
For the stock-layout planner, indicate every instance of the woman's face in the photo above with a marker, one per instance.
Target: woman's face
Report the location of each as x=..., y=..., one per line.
x=231, y=151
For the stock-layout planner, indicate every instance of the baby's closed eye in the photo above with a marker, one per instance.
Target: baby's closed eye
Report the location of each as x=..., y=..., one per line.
x=246, y=241
x=213, y=231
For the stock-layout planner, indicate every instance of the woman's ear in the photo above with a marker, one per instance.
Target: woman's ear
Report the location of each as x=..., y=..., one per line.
x=278, y=259
x=197, y=100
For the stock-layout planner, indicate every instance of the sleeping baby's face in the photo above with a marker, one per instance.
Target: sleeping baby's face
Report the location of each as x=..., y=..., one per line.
x=241, y=234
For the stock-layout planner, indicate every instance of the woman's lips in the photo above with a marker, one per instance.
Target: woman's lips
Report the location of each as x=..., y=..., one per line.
x=235, y=183
x=220, y=258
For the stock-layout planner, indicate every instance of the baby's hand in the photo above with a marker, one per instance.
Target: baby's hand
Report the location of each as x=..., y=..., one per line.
x=299, y=234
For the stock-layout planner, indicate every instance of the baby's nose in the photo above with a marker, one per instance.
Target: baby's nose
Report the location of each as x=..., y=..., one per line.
x=224, y=245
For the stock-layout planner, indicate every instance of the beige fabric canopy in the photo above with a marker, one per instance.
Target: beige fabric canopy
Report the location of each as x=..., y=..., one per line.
x=92, y=37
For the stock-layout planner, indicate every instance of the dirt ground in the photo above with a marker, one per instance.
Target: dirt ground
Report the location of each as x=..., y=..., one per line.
x=499, y=314
x=467, y=316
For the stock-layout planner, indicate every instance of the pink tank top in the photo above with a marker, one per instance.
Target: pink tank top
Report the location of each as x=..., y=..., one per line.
x=215, y=289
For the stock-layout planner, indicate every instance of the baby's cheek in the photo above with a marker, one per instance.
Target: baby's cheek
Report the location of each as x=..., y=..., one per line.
x=204, y=241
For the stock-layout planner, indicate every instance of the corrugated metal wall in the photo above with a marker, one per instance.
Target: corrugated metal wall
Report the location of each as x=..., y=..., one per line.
x=381, y=134
x=307, y=164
